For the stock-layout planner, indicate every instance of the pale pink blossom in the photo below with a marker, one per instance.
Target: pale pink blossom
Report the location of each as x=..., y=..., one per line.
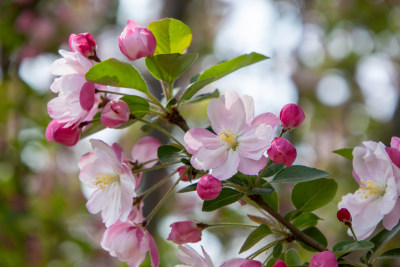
x=282, y=151
x=68, y=136
x=115, y=113
x=291, y=116
x=242, y=263
x=130, y=242
x=324, y=259
x=190, y=258
x=377, y=198
x=112, y=180
x=145, y=152
x=83, y=43
x=185, y=232
x=240, y=139
x=208, y=187
x=136, y=42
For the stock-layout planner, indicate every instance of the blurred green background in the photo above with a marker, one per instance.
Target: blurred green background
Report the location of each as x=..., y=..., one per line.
x=338, y=59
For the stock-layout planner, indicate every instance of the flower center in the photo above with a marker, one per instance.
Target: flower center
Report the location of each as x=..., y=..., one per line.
x=228, y=137
x=104, y=180
x=370, y=189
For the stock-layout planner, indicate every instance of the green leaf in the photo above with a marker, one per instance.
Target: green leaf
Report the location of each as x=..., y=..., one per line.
x=384, y=236
x=137, y=105
x=291, y=215
x=169, y=67
x=172, y=36
x=255, y=236
x=292, y=258
x=277, y=251
x=345, y=152
x=263, y=190
x=390, y=254
x=220, y=70
x=272, y=200
x=309, y=196
x=188, y=188
x=273, y=168
x=116, y=73
x=93, y=128
x=168, y=152
x=202, y=97
x=226, y=197
x=350, y=245
x=298, y=173
x=307, y=219
x=315, y=234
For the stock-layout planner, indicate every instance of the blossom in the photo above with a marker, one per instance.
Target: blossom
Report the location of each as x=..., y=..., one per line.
x=185, y=232
x=324, y=259
x=181, y=170
x=68, y=136
x=191, y=258
x=129, y=242
x=112, y=180
x=136, y=42
x=377, y=198
x=115, y=113
x=282, y=151
x=291, y=116
x=208, y=187
x=83, y=43
x=237, y=262
x=240, y=139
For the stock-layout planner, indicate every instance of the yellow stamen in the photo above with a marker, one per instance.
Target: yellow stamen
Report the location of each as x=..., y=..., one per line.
x=370, y=189
x=104, y=180
x=228, y=137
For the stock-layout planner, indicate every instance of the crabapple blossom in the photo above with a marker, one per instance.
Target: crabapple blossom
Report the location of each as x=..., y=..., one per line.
x=282, y=151
x=115, y=113
x=324, y=259
x=136, y=42
x=190, y=258
x=377, y=198
x=208, y=187
x=185, y=232
x=239, y=142
x=112, y=180
x=291, y=116
x=129, y=242
x=68, y=136
x=83, y=43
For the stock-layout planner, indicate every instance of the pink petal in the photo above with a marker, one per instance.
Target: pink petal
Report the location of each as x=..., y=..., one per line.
x=395, y=142
x=251, y=166
x=145, y=150
x=268, y=119
x=86, y=96
x=392, y=219
x=197, y=138
x=394, y=155
x=154, y=256
x=228, y=168
x=206, y=159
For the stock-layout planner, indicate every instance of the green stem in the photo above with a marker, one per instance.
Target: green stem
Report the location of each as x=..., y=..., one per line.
x=156, y=167
x=155, y=101
x=265, y=248
x=109, y=92
x=362, y=251
x=260, y=175
x=157, y=185
x=170, y=89
x=161, y=130
x=230, y=225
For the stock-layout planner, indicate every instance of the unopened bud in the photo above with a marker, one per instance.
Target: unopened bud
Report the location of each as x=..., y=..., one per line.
x=291, y=116
x=56, y=132
x=208, y=187
x=83, y=43
x=282, y=151
x=344, y=216
x=115, y=113
x=185, y=232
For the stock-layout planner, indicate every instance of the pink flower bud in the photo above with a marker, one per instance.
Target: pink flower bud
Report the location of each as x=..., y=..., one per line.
x=279, y=263
x=83, y=43
x=185, y=232
x=136, y=42
x=238, y=262
x=68, y=136
x=323, y=259
x=181, y=170
x=86, y=96
x=282, y=151
x=291, y=116
x=208, y=187
x=115, y=113
x=344, y=216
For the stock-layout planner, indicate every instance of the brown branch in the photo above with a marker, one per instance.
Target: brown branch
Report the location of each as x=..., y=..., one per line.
x=300, y=236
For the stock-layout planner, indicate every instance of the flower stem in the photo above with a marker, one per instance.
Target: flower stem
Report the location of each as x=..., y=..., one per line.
x=156, y=167
x=355, y=237
x=260, y=175
x=229, y=225
x=109, y=92
x=157, y=185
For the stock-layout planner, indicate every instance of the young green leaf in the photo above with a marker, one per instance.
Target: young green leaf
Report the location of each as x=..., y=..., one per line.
x=169, y=67
x=226, y=197
x=254, y=237
x=198, y=98
x=137, y=105
x=298, y=173
x=315, y=234
x=168, y=152
x=172, y=36
x=292, y=258
x=273, y=168
x=350, y=245
x=189, y=188
x=263, y=190
x=277, y=251
x=272, y=200
x=309, y=196
x=384, y=236
x=116, y=73
x=390, y=254
x=307, y=219
x=345, y=152
x=293, y=214
x=220, y=70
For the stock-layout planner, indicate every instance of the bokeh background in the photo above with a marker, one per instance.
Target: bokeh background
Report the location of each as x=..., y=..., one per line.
x=339, y=59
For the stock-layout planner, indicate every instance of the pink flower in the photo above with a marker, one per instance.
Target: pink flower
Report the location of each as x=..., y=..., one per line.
x=282, y=151
x=191, y=258
x=184, y=232
x=83, y=43
x=291, y=116
x=129, y=242
x=240, y=141
x=279, y=263
x=344, y=216
x=112, y=180
x=377, y=198
x=181, y=170
x=208, y=187
x=115, y=113
x=394, y=151
x=136, y=42
x=324, y=259
x=242, y=263
x=68, y=136
x=145, y=151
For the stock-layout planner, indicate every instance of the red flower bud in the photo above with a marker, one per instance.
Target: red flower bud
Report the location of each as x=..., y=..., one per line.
x=68, y=136
x=279, y=263
x=291, y=116
x=83, y=43
x=344, y=216
x=282, y=151
x=208, y=187
x=115, y=113
x=185, y=232
x=180, y=171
